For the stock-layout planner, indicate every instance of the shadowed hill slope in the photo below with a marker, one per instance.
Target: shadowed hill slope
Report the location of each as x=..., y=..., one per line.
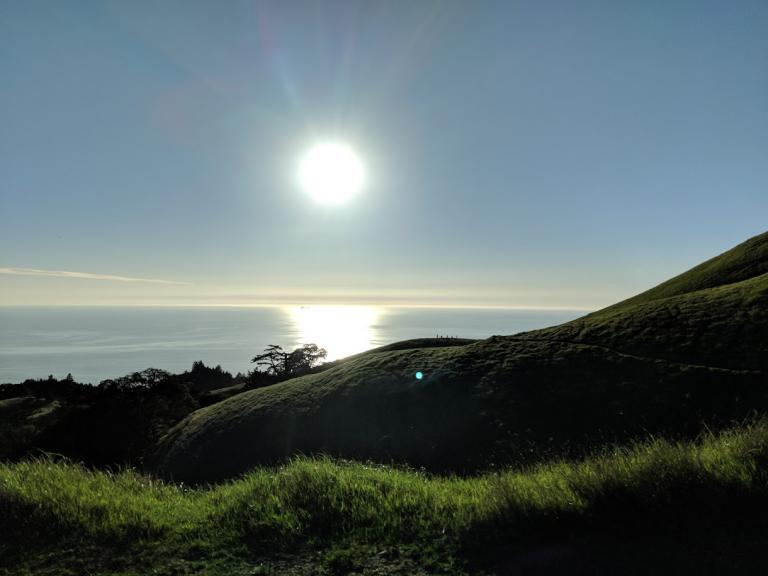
x=666, y=361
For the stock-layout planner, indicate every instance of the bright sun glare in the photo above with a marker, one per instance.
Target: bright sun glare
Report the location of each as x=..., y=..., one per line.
x=331, y=172
x=341, y=330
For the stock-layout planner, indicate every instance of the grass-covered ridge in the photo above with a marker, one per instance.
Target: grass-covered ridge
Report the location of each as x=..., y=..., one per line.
x=619, y=510
x=747, y=260
x=715, y=314
x=725, y=326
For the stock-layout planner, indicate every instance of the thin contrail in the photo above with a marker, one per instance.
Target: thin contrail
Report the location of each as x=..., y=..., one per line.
x=85, y=275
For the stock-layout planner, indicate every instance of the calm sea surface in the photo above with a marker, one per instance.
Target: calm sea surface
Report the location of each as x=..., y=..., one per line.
x=98, y=343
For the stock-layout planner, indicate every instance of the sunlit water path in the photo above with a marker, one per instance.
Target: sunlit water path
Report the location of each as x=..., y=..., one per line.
x=98, y=343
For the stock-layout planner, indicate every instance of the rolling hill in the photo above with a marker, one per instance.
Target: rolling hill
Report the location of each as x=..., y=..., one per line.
x=689, y=353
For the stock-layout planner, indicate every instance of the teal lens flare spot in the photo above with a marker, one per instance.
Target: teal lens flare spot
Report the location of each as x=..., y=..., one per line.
x=419, y=375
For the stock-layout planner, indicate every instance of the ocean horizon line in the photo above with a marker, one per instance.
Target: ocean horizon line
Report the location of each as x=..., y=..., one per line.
x=319, y=305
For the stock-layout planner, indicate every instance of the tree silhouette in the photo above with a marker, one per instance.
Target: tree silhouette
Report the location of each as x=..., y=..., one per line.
x=283, y=364
x=146, y=379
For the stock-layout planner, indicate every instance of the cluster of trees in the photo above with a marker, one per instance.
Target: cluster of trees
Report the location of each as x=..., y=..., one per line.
x=200, y=379
x=120, y=421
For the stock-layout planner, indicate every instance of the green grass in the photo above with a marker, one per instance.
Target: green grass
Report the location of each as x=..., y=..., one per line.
x=620, y=509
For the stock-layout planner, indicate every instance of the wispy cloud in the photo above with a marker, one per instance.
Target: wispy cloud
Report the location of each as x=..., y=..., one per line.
x=83, y=275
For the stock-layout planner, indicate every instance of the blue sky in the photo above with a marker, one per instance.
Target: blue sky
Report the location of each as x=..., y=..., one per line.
x=555, y=154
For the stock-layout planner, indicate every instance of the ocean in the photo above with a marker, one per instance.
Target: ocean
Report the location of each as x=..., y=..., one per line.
x=96, y=343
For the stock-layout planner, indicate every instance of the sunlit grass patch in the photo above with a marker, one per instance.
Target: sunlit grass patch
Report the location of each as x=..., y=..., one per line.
x=329, y=506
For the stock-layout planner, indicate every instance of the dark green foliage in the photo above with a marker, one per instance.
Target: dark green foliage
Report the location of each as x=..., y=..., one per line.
x=28, y=409
x=50, y=387
x=113, y=423
x=204, y=379
x=121, y=423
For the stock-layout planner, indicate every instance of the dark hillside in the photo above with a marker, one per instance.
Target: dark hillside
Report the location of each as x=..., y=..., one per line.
x=667, y=364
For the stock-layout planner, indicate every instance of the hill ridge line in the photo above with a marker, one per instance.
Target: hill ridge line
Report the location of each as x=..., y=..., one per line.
x=628, y=301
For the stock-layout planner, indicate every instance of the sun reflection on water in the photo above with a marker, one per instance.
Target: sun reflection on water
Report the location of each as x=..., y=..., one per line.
x=341, y=330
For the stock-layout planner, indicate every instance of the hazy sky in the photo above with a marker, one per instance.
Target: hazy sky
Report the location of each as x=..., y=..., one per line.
x=534, y=153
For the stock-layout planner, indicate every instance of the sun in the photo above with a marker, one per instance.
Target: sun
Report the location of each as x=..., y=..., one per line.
x=331, y=172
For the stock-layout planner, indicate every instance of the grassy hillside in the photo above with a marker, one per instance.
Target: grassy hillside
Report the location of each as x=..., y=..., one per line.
x=725, y=326
x=658, y=507
x=690, y=352
x=747, y=260
x=715, y=314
